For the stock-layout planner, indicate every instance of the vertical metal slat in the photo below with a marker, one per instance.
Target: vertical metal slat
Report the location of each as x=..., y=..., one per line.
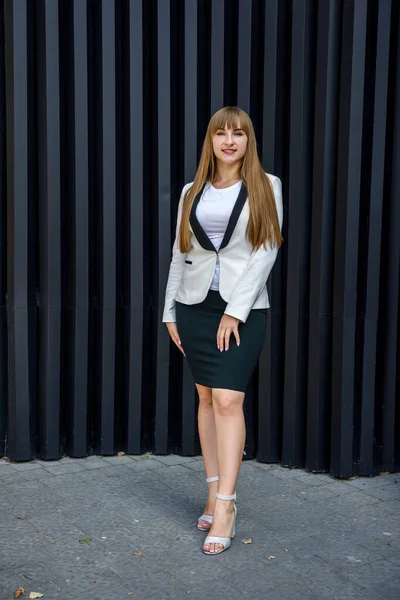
x=20, y=308
x=49, y=229
x=164, y=222
x=346, y=236
x=321, y=265
x=136, y=308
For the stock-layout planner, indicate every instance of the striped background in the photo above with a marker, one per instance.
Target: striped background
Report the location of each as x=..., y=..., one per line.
x=103, y=108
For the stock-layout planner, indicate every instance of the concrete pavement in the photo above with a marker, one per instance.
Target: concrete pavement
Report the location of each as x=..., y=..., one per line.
x=125, y=527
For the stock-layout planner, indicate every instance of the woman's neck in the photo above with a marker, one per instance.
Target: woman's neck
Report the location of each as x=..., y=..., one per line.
x=226, y=173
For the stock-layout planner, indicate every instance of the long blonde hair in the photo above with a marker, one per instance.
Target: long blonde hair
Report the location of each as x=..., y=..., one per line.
x=263, y=226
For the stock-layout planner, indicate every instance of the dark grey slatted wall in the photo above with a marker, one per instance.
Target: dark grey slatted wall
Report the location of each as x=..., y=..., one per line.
x=3, y=246
x=103, y=109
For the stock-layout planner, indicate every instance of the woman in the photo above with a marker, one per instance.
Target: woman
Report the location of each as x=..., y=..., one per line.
x=227, y=238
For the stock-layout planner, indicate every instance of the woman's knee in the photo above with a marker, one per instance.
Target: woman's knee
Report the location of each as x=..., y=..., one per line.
x=205, y=396
x=227, y=402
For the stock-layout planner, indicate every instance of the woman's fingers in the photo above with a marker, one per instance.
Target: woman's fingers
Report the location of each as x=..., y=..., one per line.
x=228, y=333
x=224, y=335
x=228, y=325
x=173, y=332
x=237, y=336
x=178, y=343
x=220, y=339
x=176, y=338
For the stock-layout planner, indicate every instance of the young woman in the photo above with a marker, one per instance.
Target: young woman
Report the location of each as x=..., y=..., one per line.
x=227, y=239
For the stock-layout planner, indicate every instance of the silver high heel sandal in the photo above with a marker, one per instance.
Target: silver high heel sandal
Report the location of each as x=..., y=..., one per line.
x=225, y=542
x=208, y=518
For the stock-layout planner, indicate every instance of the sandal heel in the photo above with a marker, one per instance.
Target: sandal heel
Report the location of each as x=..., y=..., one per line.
x=204, y=517
x=225, y=542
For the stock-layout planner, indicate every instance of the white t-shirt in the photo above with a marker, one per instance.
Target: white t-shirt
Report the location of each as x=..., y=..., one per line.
x=213, y=213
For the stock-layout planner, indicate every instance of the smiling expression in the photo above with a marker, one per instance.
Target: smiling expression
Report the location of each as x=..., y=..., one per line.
x=229, y=145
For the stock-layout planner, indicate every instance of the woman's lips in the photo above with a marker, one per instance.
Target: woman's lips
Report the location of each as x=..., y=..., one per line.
x=229, y=152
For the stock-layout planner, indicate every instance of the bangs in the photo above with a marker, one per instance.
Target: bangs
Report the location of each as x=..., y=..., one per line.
x=230, y=117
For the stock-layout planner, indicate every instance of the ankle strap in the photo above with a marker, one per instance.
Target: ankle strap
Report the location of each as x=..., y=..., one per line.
x=222, y=497
x=212, y=479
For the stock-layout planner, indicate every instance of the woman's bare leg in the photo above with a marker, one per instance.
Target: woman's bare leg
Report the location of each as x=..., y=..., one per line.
x=207, y=433
x=230, y=435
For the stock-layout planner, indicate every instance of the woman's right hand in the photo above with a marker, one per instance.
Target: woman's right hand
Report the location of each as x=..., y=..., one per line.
x=173, y=332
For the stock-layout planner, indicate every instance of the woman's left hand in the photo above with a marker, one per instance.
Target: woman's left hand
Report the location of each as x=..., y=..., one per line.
x=227, y=326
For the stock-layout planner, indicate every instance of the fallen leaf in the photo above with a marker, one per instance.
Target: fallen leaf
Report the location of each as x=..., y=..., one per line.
x=121, y=454
x=271, y=557
x=286, y=550
x=35, y=595
x=382, y=473
x=144, y=456
x=193, y=572
x=18, y=592
x=93, y=581
x=85, y=540
x=247, y=541
x=137, y=553
x=22, y=517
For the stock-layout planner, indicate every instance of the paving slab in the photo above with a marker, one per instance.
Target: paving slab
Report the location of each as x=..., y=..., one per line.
x=119, y=460
x=125, y=527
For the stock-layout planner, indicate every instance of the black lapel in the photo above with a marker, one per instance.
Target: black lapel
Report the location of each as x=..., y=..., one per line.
x=199, y=232
x=234, y=218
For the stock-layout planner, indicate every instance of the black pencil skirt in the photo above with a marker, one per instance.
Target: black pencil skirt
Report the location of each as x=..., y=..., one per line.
x=198, y=325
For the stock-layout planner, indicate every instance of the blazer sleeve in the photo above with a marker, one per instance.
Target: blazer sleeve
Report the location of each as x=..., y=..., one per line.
x=260, y=264
x=175, y=269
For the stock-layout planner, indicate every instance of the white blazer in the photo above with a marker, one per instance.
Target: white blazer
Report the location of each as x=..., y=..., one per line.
x=243, y=271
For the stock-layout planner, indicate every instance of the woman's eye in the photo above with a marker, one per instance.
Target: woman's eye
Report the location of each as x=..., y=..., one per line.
x=239, y=133
x=220, y=133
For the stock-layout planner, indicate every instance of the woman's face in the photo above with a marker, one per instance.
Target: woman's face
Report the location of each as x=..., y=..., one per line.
x=229, y=145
